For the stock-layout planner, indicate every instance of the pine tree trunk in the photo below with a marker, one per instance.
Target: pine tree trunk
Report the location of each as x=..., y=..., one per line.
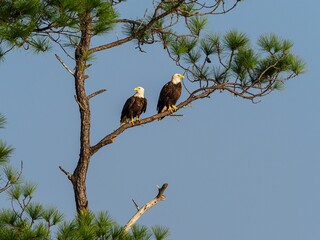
x=79, y=176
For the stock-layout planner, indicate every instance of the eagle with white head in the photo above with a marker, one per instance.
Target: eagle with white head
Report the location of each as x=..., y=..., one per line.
x=134, y=107
x=170, y=93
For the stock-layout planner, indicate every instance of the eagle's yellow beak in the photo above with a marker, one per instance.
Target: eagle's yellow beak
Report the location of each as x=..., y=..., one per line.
x=136, y=89
x=181, y=76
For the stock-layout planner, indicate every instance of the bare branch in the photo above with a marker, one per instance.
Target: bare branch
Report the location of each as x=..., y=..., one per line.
x=161, y=191
x=96, y=93
x=65, y=65
x=146, y=207
x=110, y=137
x=135, y=204
x=69, y=175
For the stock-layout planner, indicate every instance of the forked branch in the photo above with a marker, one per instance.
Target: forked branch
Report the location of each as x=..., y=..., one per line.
x=146, y=207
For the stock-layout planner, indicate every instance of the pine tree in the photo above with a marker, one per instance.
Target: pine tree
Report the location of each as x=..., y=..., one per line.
x=29, y=220
x=210, y=62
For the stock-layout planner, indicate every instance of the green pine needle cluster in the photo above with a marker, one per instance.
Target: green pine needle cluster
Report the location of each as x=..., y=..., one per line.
x=29, y=220
x=39, y=223
x=8, y=175
x=25, y=23
x=18, y=19
x=183, y=46
x=2, y=121
x=26, y=220
x=90, y=226
x=230, y=58
x=68, y=13
x=233, y=40
x=196, y=24
x=151, y=29
x=160, y=232
x=5, y=152
x=210, y=45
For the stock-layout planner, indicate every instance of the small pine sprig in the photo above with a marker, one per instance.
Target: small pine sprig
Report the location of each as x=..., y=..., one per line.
x=197, y=24
x=160, y=232
x=140, y=232
x=104, y=223
x=5, y=153
x=234, y=40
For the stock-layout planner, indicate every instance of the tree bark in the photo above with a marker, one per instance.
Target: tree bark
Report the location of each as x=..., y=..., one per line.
x=78, y=178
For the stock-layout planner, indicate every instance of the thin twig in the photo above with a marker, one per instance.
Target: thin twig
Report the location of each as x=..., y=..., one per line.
x=135, y=204
x=65, y=65
x=69, y=175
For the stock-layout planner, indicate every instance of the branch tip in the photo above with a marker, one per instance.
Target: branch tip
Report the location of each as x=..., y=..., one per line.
x=96, y=93
x=161, y=190
x=135, y=204
x=160, y=197
x=69, y=175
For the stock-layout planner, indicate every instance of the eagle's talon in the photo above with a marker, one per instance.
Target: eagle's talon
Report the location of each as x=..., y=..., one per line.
x=174, y=108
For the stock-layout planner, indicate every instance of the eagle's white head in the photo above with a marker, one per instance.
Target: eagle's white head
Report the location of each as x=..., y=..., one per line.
x=139, y=92
x=176, y=78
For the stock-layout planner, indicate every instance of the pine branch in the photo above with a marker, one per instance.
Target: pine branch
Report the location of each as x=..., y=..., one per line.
x=145, y=28
x=11, y=182
x=108, y=139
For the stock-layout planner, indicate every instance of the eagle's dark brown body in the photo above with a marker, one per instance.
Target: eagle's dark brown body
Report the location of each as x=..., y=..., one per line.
x=169, y=95
x=133, y=108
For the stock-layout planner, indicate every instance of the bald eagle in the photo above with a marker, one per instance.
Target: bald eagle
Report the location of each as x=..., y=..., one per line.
x=134, y=107
x=170, y=94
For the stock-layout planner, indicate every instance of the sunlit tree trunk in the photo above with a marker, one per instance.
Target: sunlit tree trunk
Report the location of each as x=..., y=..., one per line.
x=79, y=175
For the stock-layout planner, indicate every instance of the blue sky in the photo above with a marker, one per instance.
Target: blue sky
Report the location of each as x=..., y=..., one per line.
x=236, y=170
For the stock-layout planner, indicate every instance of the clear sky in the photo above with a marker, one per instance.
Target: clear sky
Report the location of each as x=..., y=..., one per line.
x=235, y=170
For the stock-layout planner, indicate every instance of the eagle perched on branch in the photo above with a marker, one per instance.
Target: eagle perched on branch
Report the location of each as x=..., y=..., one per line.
x=134, y=107
x=170, y=93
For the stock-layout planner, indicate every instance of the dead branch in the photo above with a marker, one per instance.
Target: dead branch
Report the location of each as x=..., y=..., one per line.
x=108, y=139
x=135, y=204
x=146, y=207
x=96, y=93
x=65, y=65
x=69, y=175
